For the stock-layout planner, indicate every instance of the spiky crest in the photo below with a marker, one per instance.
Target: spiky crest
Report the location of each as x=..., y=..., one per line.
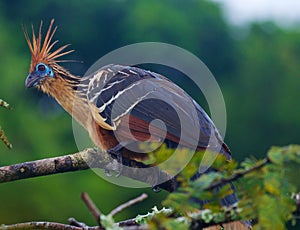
x=41, y=50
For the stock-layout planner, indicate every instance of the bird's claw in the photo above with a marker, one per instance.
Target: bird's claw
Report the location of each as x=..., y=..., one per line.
x=119, y=159
x=116, y=152
x=156, y=176
x=107, y=172
x=155, y=188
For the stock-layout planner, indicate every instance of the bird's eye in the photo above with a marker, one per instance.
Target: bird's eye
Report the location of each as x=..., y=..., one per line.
x=41, y=68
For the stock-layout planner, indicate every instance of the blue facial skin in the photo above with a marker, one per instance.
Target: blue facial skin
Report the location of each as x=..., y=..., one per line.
x=44, y=70
x=41, y=71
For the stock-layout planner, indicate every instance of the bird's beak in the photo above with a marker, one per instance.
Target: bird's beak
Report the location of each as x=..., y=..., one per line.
x=32, y=79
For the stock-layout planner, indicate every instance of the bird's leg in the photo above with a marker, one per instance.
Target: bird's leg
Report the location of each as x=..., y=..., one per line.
x=106, y=167
x=156, y=176
x=117, y=153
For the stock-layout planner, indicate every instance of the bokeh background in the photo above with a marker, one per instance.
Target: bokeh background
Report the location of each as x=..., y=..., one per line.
x=255, y=63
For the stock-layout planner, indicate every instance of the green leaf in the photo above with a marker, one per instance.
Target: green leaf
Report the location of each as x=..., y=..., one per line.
x=143, y=219
x=108, y=222
x=276, y=155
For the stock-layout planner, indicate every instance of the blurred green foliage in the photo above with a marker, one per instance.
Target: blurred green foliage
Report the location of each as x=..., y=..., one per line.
x=256, y=66
x=265, y=189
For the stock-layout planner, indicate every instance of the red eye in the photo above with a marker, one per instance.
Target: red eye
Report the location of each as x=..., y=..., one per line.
x=41, y=68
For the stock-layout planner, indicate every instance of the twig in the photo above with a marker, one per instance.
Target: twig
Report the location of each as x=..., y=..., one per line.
x=72, y=221
x=89, y=158
x=137, y=227
x=128, y=223
x=238, y=175
x=4, y=104
x=2, y=134
x=59, y=226
x=4, y=139
x=128, y=204
x=92, y=207
x=44, y=225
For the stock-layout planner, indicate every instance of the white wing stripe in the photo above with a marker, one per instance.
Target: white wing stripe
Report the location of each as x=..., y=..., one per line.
x=102, y=90
x=102, y=108
x=132, y=106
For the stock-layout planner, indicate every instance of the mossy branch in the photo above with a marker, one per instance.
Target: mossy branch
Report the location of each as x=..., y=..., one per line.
x=88, y=158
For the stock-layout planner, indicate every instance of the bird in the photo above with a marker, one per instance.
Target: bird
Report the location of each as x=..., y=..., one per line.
x=117, y=104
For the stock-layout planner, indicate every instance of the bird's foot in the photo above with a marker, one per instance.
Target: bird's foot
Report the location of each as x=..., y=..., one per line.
x=116, y=152
x=107, y=172
x=107, y=168
x=156, y=176
x=155, y=188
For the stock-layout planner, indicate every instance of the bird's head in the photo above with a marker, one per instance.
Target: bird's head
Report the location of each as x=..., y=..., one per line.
x=44, y=66
x=39, y=75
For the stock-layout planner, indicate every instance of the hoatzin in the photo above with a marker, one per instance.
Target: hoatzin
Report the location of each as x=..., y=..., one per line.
x=90, y=101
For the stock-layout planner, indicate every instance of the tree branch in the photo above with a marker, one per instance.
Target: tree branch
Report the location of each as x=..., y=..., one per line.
x=89, y=158
x=59, y=226
x=74, y=224
x=238, y=175
x=44, y=225
x=128, y=204
x=92, y=207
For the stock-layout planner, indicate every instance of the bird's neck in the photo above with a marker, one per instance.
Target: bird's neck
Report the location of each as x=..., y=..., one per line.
x=68, y=97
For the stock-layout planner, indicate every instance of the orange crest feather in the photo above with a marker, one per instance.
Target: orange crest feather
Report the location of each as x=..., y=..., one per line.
x=41, y=52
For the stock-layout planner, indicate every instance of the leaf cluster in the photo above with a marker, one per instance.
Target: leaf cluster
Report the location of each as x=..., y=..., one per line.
x=264, y=187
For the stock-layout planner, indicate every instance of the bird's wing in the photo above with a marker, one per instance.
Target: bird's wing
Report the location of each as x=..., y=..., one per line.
x=145, y=106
